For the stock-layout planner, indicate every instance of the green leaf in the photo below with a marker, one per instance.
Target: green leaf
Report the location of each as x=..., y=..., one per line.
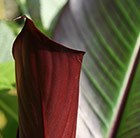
x=7, y=75
x=8, y=105
x=108, y=31
x=130, y=123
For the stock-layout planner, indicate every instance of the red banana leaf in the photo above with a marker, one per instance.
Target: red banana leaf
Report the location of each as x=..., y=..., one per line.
x=47, y=78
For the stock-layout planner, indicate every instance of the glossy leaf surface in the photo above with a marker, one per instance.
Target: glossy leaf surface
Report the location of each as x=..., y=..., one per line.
x=47, y=76
x=108, y=31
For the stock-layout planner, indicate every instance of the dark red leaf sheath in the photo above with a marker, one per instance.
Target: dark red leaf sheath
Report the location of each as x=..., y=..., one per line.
x=47, y=77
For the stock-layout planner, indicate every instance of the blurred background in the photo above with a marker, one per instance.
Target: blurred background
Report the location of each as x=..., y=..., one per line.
x=44, y=14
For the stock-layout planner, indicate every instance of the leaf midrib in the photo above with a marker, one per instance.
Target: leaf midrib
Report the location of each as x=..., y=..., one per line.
x=124, y=90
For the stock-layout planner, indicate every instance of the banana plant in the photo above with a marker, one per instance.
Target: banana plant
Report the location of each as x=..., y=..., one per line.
x=108, y=30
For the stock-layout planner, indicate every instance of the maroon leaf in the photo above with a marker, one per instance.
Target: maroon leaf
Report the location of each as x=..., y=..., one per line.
x=47, y=76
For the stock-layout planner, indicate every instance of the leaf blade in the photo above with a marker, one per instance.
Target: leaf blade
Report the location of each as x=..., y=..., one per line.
x=103, y=29
x=47, y=75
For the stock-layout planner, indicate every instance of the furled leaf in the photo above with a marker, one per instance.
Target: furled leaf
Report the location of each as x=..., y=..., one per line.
x=47, y=75
x=108, y=30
